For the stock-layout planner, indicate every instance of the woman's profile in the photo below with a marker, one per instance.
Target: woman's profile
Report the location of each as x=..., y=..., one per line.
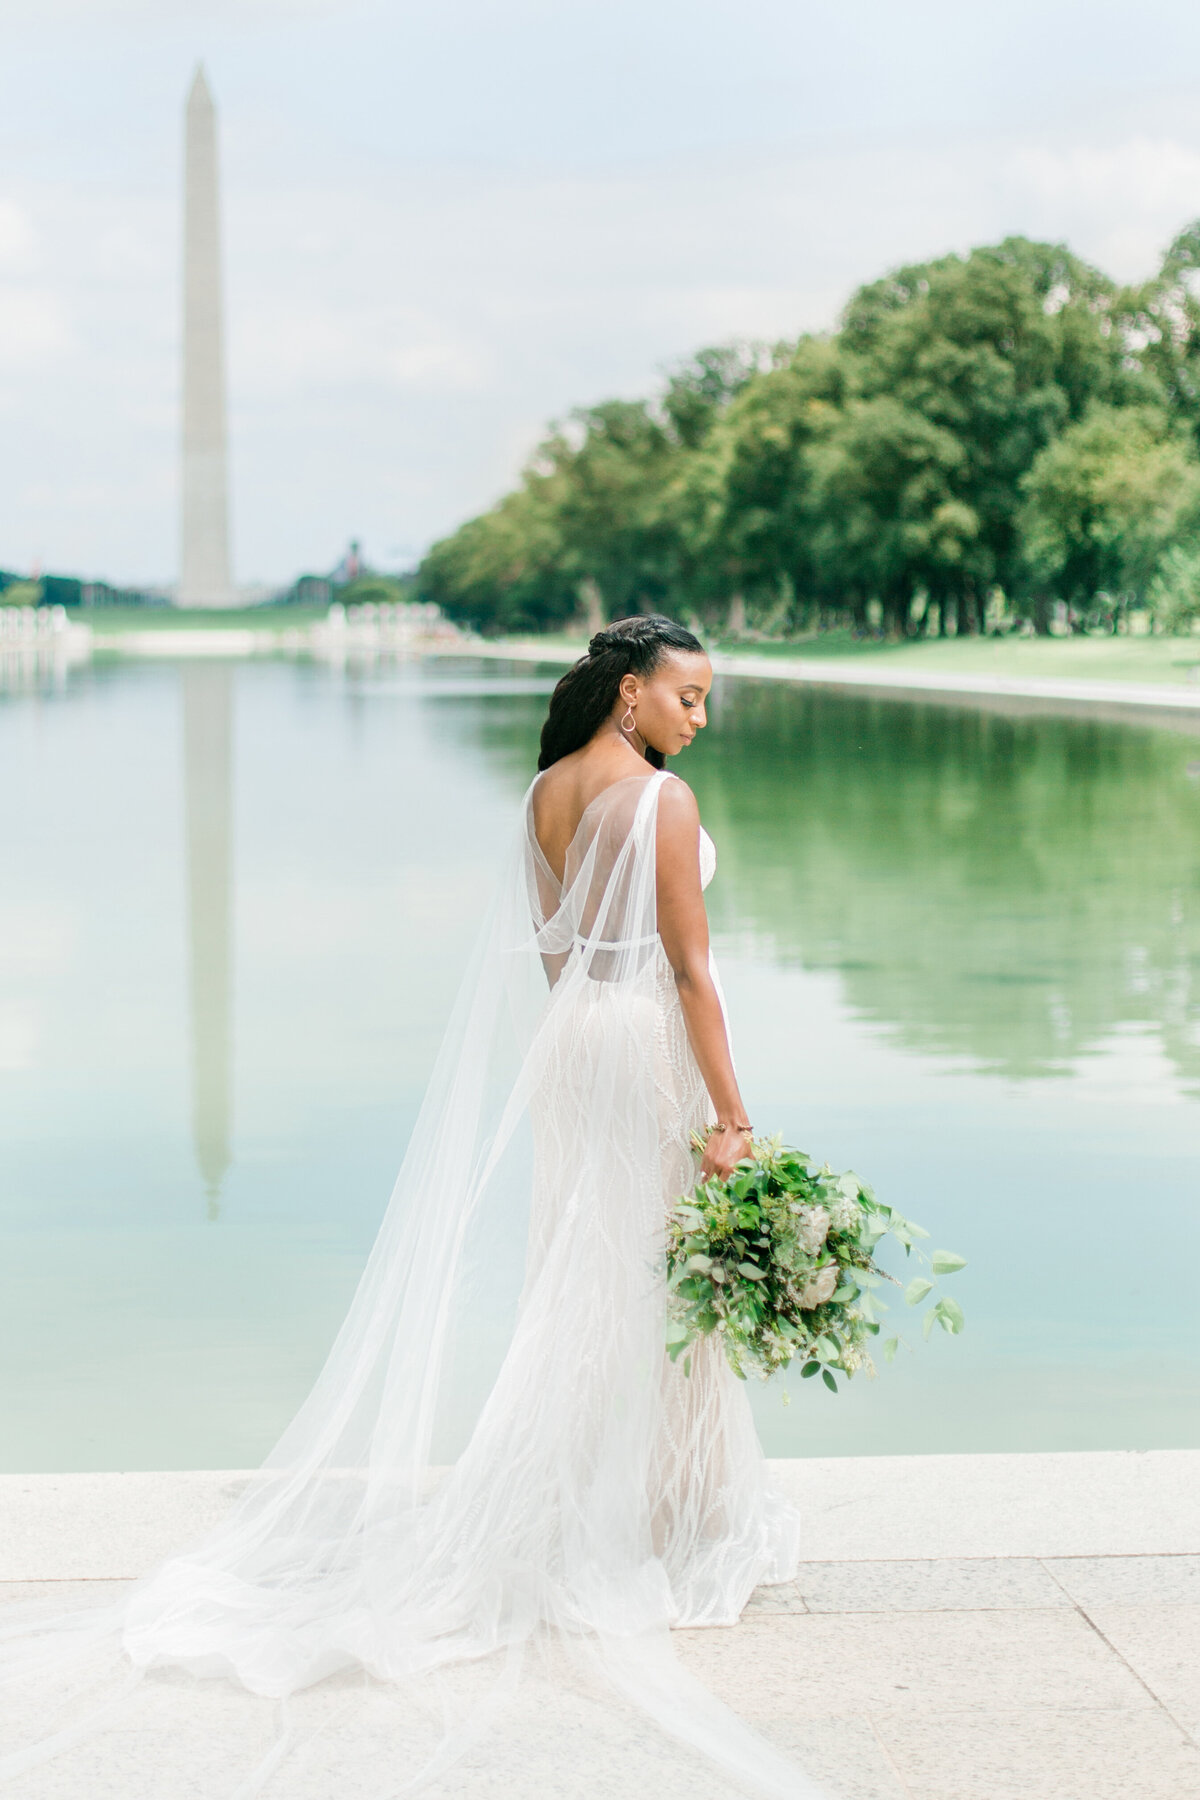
x=459, y=1583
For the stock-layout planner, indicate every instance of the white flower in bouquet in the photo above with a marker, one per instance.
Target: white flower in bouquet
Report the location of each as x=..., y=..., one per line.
x=853, y=1359
x=812, y=1230
x=819, y=1288
x=844, y=1214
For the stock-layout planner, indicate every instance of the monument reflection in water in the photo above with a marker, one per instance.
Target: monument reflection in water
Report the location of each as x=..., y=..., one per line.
x=208, y=788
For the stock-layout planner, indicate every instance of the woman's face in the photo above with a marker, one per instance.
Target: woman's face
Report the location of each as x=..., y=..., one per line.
x=668, y=704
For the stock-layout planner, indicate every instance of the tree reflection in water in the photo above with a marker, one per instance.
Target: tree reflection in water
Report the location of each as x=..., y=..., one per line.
x=1009, y=889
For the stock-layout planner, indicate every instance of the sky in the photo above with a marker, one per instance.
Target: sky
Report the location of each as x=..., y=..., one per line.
x=448, y=223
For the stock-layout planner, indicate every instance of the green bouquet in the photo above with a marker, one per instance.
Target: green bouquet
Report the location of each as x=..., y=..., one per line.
x=779, y=1261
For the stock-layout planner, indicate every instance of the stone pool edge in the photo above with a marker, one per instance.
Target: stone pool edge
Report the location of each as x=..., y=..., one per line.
x=114, y=1525
x=1004, y=692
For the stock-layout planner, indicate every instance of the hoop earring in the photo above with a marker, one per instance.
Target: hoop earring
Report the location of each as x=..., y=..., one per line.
x=628, y=722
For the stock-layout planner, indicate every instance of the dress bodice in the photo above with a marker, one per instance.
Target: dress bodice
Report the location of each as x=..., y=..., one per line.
x=708, y=858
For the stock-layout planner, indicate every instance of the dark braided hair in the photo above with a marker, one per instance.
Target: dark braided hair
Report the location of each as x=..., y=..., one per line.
x=587, y=693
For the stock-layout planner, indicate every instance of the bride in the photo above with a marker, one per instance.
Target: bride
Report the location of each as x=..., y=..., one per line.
x=451, y=1580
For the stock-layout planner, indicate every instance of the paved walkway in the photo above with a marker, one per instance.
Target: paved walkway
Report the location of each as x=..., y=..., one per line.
x=966, y=1627
x=1176, y=703
x=1007, y=693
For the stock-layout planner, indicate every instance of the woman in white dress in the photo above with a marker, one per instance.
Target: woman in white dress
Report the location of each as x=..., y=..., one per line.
x=461, y=1588
x=638, y=697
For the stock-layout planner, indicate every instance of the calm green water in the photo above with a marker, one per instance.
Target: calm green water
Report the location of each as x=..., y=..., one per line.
x=962, y=954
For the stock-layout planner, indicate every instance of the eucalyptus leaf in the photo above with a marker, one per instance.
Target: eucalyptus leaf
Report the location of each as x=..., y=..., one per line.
x=946, y=1262
x=917, y=1289
x=951, y=1314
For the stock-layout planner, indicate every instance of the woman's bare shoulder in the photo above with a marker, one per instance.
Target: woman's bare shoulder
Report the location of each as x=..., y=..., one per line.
x=677, y=803
x=678, y=834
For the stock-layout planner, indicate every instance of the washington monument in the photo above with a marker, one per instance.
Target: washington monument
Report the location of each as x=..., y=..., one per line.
x=204, y=572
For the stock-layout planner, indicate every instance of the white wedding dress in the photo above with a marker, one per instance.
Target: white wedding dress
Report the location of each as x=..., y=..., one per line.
x=459, y=1578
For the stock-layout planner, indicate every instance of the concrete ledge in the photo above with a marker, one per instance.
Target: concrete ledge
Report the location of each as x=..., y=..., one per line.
x=107, y=1526
x=1049, y=1504
x=180, y=641
x=114, y=1526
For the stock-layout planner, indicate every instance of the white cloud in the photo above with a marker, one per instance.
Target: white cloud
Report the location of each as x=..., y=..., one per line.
x=17, y=249
x=18, y=1041
x=33, y=328
x=327, y=348
x=1130, y=198
x=159, y=13
x=436, y=366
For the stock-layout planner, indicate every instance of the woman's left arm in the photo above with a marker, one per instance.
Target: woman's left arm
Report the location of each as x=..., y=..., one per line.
x=683, y=928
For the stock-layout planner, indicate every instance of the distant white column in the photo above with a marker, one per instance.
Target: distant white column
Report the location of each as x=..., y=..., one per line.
x=204, y=573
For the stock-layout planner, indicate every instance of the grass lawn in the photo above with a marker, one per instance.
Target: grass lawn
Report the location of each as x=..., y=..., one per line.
x=111, y=621
x=1148, y=659
x=1153, y=659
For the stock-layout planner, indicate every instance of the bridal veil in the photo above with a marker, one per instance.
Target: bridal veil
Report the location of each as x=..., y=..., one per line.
x=457, y=1571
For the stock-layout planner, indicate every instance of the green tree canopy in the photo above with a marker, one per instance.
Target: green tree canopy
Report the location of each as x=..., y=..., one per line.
x=741, y=499
x=1008, y=425
x=1106, y=499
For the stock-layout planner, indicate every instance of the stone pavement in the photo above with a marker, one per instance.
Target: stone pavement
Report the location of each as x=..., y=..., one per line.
x=1010, y=1678
x=965, y=1627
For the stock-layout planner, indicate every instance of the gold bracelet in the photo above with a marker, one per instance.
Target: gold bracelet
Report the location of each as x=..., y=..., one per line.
x=746, y=1130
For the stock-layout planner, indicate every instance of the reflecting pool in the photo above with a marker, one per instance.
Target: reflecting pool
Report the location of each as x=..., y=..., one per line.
x=962, y=955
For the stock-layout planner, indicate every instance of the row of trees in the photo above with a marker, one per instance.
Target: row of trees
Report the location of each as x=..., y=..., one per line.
x=985, y=442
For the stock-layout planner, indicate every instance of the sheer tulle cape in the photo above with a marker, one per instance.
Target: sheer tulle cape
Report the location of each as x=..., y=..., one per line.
x=460, y=1564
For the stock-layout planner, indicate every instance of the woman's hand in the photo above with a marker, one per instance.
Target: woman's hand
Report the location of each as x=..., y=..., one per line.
x=725, y=1149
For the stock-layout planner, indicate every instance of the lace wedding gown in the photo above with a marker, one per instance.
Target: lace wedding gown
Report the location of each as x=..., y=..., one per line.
x=464, y=1588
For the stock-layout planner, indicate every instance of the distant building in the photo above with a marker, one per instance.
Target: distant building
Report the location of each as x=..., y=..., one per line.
x=311, y=590
x=350, y=567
